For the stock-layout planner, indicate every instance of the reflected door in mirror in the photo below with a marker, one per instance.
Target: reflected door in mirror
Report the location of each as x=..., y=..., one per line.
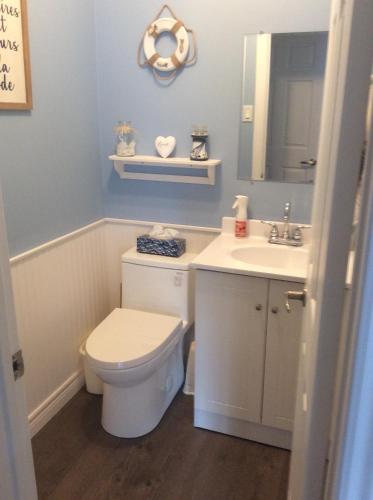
x=297, y=75
x=283, y=75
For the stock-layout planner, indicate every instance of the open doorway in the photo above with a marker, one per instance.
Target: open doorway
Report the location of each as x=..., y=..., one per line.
x=105, y=470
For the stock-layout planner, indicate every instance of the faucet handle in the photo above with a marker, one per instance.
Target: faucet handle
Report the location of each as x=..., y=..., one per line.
x=297, y=234
x=287, y=210
x=274, y=229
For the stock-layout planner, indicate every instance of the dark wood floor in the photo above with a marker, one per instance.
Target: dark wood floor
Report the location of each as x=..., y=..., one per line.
x=76, y=459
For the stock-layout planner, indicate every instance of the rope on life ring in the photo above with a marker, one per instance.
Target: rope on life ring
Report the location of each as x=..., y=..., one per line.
x=167, y=65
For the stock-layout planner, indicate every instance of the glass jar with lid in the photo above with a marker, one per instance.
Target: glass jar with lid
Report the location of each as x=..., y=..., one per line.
x=199, y=146
x=125, y=139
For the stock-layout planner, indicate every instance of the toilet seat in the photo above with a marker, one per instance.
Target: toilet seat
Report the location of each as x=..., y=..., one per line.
x=128, y=338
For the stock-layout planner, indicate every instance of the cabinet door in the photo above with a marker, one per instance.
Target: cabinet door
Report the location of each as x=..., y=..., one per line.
x=231, y=315
x=282, y=351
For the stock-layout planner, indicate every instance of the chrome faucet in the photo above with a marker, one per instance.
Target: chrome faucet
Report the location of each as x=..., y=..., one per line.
x=294, y=238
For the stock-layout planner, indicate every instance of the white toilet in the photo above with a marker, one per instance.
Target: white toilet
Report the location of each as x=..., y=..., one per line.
x=137, y=351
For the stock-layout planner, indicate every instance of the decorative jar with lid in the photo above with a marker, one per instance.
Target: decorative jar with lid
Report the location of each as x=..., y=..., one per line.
x=199, y=147
x=125, y=137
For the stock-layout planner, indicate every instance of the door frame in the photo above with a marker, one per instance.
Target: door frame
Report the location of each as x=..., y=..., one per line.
x=351, y=451
x=16, y=466
x=16, y=461
x=342, y=134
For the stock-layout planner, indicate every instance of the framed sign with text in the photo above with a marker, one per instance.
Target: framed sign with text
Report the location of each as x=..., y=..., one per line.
x=15, y=74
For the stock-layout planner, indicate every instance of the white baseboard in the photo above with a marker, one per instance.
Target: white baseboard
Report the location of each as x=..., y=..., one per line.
x=241, y=428
x=92, y=275
x=53, y=404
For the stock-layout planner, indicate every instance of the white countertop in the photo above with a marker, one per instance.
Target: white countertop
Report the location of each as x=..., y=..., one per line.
x=217, y=256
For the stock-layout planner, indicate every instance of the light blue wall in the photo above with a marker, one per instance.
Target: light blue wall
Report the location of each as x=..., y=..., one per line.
x=209, y=93
x=49, y=168
x=50, y=157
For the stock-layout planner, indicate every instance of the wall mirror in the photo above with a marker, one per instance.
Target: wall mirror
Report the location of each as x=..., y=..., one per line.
x=282, y=87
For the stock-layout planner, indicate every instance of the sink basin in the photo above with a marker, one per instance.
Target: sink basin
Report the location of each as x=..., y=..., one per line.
x=279, y=257
x=254, y=255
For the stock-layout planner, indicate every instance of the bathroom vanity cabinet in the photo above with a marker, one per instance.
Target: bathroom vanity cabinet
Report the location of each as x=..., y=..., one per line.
x=247, y=348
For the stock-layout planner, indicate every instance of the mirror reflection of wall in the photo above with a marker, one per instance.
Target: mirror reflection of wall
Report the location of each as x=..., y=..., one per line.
x=282, y=87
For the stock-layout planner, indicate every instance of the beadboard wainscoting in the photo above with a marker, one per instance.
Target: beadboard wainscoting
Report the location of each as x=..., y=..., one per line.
x=62, y=290
x=60, y=294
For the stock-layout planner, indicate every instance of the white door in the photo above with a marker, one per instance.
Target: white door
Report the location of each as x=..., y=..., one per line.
x=346, y=86
x=350, y=473
x=17, y=480
x=297, y=77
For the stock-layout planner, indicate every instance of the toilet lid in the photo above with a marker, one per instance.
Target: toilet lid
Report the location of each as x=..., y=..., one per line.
x=128, y=338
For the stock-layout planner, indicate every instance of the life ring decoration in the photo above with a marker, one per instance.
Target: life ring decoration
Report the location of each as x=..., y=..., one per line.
x=166, y=68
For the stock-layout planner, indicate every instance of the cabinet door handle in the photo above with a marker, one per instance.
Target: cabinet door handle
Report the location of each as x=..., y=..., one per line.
x=274, y=310
x=258, y=307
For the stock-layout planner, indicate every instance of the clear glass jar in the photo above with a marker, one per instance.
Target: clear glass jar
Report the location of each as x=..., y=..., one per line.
x=125, y=139
x=199, y=146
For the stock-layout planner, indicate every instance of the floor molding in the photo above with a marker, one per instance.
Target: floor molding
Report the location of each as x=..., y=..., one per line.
x=243, y=429
x=45, y=409
x=53, y=404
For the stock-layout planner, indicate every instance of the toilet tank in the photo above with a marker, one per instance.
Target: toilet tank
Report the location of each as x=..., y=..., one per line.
x=160, y=284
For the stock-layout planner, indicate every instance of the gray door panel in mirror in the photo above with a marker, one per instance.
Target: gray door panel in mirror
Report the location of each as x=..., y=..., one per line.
x=283, y=77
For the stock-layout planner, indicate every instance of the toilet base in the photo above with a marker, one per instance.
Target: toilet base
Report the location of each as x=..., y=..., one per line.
x=133, y=411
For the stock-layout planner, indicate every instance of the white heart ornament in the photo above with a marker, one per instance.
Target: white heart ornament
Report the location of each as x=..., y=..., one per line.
x=165, y=145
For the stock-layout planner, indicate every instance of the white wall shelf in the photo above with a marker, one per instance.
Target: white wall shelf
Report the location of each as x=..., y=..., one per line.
x=120, y=163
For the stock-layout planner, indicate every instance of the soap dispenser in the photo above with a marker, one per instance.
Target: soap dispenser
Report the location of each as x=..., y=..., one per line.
x=240, y=227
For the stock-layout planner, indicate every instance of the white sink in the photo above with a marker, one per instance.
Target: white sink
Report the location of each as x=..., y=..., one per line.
x=279, y=257
x=254, y=255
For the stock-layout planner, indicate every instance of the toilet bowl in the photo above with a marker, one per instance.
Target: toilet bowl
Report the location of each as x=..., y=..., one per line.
x=137, y=350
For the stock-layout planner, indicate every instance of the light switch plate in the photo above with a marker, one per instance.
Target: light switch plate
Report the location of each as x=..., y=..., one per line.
x=247, y=113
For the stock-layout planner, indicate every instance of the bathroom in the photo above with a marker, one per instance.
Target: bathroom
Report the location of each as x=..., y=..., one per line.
x=70, y=217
